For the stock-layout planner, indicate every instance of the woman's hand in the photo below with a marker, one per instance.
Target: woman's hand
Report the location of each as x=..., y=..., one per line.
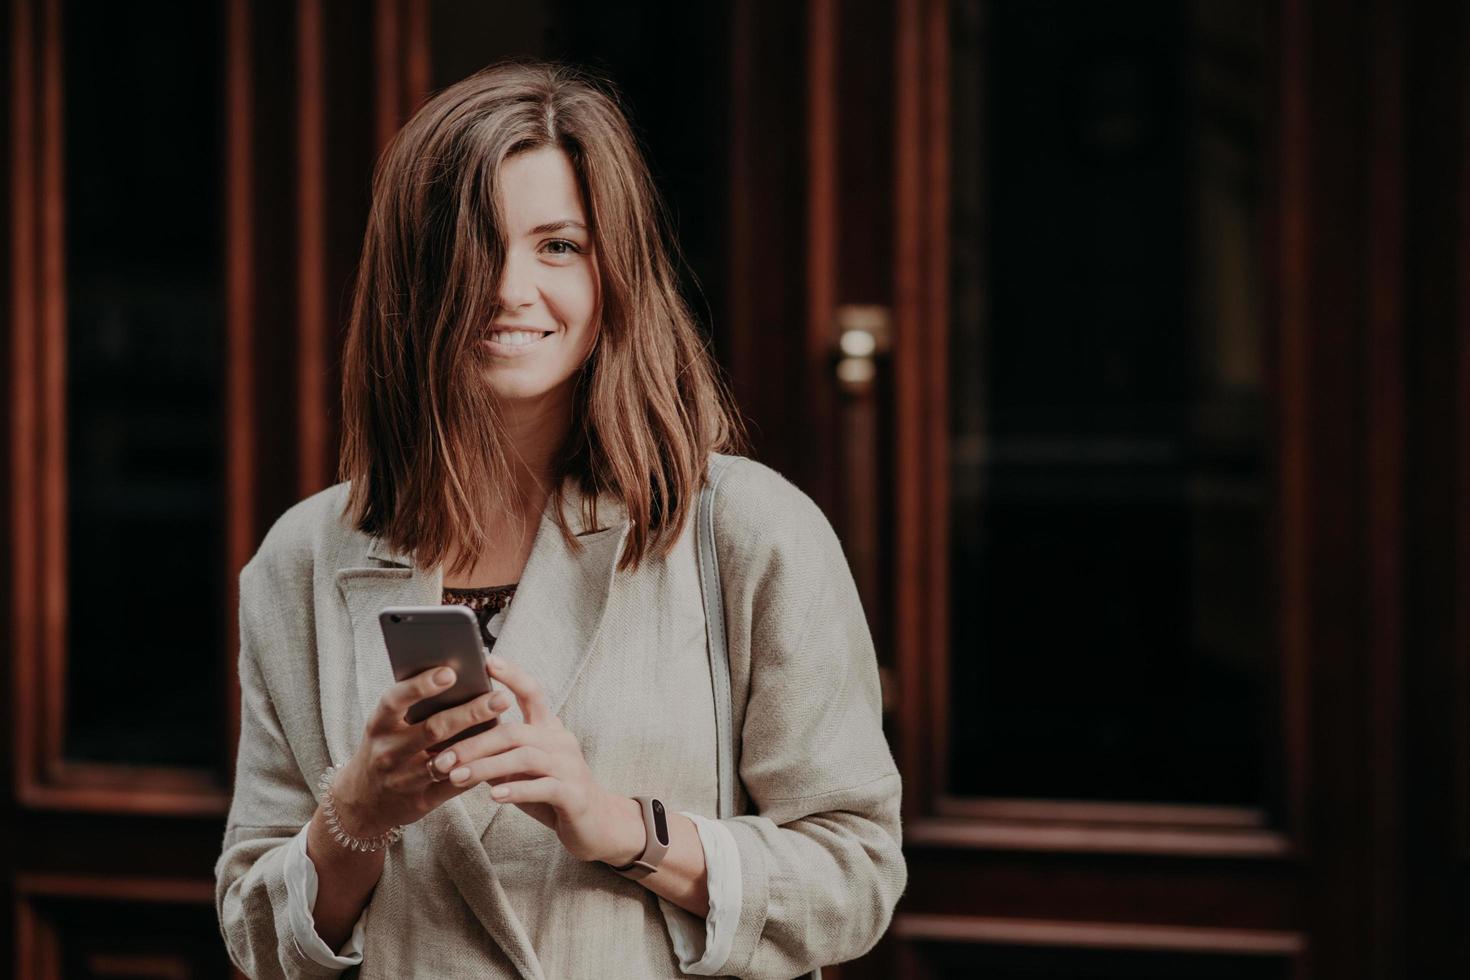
x=387, y=781
x=537, y=765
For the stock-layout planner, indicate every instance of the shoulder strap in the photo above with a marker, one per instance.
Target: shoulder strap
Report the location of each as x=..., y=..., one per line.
x=719, y=651
x=714, y=625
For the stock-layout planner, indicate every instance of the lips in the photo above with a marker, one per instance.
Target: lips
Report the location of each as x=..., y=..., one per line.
x=494, y=327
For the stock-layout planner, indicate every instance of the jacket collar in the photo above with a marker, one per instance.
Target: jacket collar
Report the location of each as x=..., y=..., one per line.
x=551, y=623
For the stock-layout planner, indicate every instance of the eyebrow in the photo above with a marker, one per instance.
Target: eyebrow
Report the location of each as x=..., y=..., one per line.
x=556, y=226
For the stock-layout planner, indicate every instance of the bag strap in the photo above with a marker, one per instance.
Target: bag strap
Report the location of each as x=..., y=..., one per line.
x=719, y=650
x=714, y=626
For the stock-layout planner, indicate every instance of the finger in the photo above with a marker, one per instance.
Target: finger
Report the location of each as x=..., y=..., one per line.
x=527, y=689
x=446, y=724
x=502, y=738
x=443, y=790
x=527, y=759
x=547, y=789
x=396, y=701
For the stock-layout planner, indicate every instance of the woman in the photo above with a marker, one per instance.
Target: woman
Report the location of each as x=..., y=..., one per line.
x=528, y=417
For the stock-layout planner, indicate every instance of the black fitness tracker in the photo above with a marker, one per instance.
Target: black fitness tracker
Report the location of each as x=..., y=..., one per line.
x=656, y=825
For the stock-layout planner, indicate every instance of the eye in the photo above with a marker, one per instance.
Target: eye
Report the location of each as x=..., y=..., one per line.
x=572, y=248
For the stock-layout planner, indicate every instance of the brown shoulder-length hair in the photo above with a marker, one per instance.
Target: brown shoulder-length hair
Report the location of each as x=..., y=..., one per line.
x=421, y=438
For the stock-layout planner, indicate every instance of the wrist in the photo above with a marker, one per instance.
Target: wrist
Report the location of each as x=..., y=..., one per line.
x=348, y=824
x=321, y=843
x=350, y=814
x=627, y=837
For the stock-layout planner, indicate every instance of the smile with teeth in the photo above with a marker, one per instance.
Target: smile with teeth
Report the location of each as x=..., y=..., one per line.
x=516, y=338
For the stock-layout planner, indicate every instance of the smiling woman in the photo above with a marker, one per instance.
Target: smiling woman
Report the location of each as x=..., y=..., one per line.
x=530, y=414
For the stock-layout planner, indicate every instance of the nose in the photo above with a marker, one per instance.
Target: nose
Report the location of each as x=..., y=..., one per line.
x=517, y=289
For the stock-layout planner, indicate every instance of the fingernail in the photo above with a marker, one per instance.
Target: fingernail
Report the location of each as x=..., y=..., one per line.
x=460, y=775
x=498, y=662
x=499, y=792
x=444, y=676
x=444, y=761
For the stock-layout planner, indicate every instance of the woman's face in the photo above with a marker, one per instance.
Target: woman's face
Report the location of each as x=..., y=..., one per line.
x=549, y=287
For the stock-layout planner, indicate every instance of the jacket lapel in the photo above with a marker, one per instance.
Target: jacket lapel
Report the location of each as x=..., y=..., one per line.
x=549, y=627
x=555, y=614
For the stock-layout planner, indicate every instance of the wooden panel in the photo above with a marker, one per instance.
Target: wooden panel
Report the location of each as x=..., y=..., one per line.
x=1164, y=889
x=1096, y=935
x=76, y=926
x=1139, y=828
x=948, y=946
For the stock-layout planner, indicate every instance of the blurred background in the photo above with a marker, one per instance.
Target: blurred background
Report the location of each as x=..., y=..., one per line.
x=1126, y=344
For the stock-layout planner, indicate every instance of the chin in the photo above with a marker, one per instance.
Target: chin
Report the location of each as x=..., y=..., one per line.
x=520, y=386
x=519, y=392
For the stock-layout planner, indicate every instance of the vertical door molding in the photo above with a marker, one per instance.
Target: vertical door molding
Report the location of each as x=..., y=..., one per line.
x=240, y=283
x=1384, y=357
x=821, y=244
x=401, y=59
x=313, y=326
x=1460, y=673
x=920, y=357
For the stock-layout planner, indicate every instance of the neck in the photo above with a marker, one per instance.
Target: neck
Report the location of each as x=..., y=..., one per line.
x=535, y=430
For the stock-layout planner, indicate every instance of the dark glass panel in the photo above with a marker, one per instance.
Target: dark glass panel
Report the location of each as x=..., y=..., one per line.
x=1111, y=623
x=145, y=382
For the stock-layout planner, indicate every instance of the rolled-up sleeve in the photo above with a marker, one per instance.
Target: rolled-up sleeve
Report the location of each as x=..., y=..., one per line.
x=301, y=885
x=271, y=803
x=821, y=861
x=703, y=945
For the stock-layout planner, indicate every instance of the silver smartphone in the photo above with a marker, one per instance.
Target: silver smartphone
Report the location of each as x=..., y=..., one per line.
x=420, y=637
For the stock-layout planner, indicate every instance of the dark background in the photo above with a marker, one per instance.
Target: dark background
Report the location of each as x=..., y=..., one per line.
x=1153, y=486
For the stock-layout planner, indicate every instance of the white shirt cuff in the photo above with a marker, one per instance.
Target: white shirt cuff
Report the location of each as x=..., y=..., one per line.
x=301, y=886
x=703, y=947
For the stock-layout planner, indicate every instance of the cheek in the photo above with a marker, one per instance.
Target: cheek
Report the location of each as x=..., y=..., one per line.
x=577, y=304
x=587, y=293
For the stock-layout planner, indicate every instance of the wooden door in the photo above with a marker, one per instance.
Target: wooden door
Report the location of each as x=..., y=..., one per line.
x=1137, y=350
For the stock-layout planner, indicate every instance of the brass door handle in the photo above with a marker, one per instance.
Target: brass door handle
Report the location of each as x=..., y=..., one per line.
x=863, y=335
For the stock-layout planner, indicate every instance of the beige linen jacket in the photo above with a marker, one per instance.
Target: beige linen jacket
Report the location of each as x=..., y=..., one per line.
x=480, y=889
